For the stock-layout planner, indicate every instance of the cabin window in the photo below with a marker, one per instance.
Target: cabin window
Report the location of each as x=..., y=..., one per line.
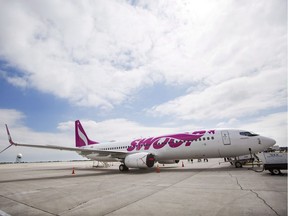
x=212, y=138
x=203, y=138
x=208, y=138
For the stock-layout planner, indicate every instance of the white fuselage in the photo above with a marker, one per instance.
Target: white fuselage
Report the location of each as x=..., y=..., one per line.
x=203, y=144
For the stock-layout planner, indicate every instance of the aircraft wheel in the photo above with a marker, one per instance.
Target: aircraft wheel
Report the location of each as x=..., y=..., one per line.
x=123, y=168
x=238, y=164
x=275, y=171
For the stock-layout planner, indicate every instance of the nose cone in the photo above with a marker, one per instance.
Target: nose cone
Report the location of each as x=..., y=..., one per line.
x=268, y=142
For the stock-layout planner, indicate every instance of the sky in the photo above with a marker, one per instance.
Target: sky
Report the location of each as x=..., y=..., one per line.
x=130, y=69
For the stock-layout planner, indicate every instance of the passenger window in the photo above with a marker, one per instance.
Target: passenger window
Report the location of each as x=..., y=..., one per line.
x=203, y=138
x=208, y=138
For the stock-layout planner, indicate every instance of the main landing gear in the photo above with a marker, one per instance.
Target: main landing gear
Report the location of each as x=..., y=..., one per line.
x=123, y=168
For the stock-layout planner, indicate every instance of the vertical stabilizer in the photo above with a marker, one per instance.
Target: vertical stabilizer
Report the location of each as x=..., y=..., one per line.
x=81, y=138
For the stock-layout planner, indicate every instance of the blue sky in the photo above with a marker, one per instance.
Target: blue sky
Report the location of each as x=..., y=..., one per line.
x=138, y=68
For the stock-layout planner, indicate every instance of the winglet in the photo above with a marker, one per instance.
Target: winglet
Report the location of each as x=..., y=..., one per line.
x=9, y=138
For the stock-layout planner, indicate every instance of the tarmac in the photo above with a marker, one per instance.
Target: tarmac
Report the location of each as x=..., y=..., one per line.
x=197, y=188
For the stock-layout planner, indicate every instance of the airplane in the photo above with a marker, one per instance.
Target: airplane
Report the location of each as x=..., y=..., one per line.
x=165, y=149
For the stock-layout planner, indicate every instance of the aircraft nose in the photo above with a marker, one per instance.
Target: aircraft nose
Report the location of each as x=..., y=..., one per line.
x=268, y=142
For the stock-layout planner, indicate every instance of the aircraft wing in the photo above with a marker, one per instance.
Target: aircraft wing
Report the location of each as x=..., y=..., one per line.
x=82, y=151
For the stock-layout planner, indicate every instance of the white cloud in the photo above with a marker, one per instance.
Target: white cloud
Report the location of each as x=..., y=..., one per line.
x=14, y=79
x=100, y=53
x=239, y=97
x=116, y=129
x=273, y=125
x=88, y=54
x=11, y=117
x=21, y=133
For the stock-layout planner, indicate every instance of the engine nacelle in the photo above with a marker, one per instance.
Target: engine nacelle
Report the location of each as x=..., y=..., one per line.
x=139, y=160
x=169, y=162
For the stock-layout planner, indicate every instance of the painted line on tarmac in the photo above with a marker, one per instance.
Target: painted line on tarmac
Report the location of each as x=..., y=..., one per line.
x=2, y=213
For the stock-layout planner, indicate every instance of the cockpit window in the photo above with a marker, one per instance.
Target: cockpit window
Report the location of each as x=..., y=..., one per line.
x=247, y=133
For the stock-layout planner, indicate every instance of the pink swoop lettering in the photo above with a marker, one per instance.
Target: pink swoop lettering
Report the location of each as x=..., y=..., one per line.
x=174, y=140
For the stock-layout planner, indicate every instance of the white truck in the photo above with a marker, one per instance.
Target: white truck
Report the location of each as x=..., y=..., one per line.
x=274, y=161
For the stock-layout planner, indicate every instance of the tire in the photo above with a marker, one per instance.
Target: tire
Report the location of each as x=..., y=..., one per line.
x=123, y=168
x=275, y=171
x=238, y=164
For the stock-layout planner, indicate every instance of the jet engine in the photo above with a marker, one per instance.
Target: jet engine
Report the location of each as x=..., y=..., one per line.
x=139, y=160
x=168, y=162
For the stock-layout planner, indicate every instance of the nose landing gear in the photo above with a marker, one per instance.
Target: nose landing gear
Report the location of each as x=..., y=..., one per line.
x=238, y=164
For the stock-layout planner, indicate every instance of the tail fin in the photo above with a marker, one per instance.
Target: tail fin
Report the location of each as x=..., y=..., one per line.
x=81, y=139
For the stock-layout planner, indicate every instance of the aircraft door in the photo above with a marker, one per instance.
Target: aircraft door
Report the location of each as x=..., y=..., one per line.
x=226, y=138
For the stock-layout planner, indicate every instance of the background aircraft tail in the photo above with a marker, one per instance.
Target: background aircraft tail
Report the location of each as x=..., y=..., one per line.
x=81, y=138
